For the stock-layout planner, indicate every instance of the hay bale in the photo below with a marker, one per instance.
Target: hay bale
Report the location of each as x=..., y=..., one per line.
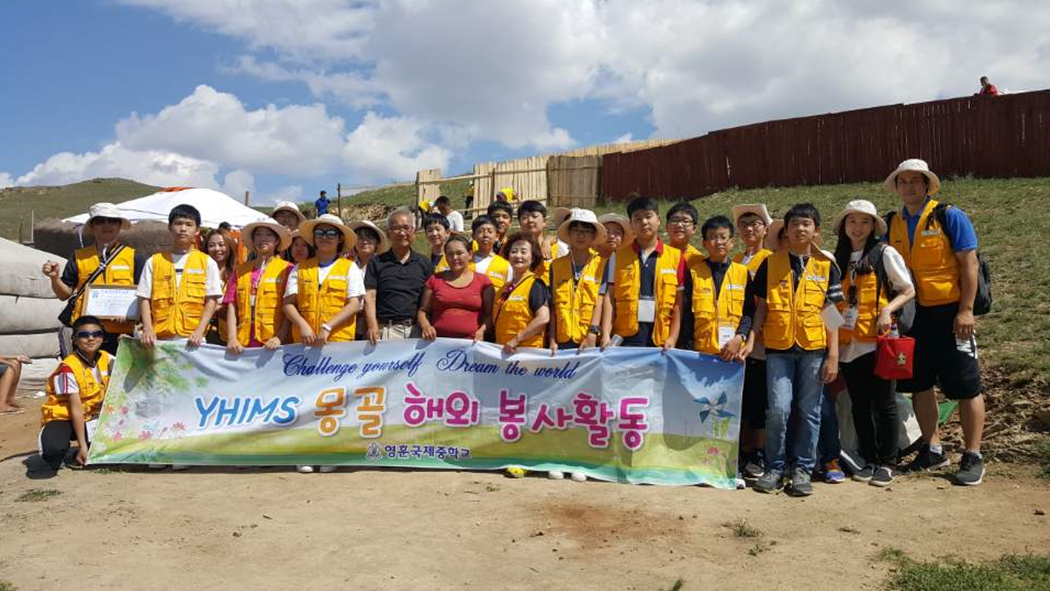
x=20, y=314
x=62, y=238
x=33, y=344
x=21, y=274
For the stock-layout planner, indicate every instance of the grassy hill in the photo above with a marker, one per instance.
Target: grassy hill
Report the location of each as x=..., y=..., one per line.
x=16, y=203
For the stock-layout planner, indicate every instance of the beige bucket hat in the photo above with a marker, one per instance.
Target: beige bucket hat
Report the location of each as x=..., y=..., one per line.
x=758, y=209
x=860, y=206
x=105, y=210
x=283, y=234
x=624, y=223
x=288, y=206
x=384, y=244
x=913, y=165
x=584, y=216
x=306, y=230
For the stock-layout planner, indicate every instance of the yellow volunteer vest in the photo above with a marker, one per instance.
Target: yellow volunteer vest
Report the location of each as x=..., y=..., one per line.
x=573, y=303
x=56, y=407
x=755, y=262
x=711, y=311
x=267, y=314
x=119, y=271
x=866, y=328
x=691, y=252
x=512, y=313
x=544, y=268
x=177, y=309
x=628, y=283
x=498, y=271
x=793, y=316
x=318, y=303
x=930, y=259
x=442, y=265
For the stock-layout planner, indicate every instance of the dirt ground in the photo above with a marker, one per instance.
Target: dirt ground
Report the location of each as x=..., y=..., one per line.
x=272, y=528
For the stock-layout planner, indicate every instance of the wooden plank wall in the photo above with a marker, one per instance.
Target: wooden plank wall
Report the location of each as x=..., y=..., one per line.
x=572, y=181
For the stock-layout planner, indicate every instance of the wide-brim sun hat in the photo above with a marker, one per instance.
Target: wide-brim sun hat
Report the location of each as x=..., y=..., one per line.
x=860, y=206
x=624, y=223
x=306, y=230
x=913, y=165
x=758, y=209
x=284, y=235
x=383, y=244
x=288, y=206
x=105, y=210
x=560, y=215
x=584, y=216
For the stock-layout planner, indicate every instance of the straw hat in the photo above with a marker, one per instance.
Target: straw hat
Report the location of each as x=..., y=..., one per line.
x=914, y=165
x=560, y=215
x=306, y=230
x=383, y=245
x=283, y=235
x=624, y=223
x=860, y=206
x=105, y=210
x=584, y=216
x=758, y=209
x=288, y=206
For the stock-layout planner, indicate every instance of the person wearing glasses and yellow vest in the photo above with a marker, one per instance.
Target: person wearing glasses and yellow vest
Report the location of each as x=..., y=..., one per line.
x=643, y=300
x=682, y=223
x=123, y=266
x=254, y=296
x=793, y=286
x=940, y=248
x=575, y=282
x=720, y=296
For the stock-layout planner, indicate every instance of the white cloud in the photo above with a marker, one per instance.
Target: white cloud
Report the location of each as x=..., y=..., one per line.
x=6, y=180
x=292, y=193
x=236, y=182
x=386, y=148
x=152, y=167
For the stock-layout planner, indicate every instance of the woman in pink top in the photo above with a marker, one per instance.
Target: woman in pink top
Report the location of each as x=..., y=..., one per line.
x=456, y=303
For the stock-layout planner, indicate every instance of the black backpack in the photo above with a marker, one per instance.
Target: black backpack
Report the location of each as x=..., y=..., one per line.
x=982, y=302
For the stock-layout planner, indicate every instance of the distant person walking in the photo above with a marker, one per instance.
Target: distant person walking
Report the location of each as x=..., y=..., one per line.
x=322, y=204
x=987, y=88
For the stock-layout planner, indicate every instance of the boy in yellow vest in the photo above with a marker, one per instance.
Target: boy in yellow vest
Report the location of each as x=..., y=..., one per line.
x=123, y=266
x=643, y=300
x=752, y=222
x=940, y=249
x=74, y=396
x=575, y=281
x=180, y=289
x=436, y=228
x=682, y=223
x=793, y=286
x=532, y=217
x=720, y=296
x=485, y=260
x=254, y=295
x=501, y=214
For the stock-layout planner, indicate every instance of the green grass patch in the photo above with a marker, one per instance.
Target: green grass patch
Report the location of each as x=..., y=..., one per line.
x=37, y=495
x=677, y=586
x=1043, y=454
x=759, y=548
x=16, y=203
x=1011, y=572
x=742, y=529
x=7, y=586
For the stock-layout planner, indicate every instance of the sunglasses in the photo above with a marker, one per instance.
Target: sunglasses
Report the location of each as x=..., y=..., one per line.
x=331, y=233
x=89, y=334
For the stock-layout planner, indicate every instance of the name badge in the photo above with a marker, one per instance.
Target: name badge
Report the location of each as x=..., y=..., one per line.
x=735, y=287
x=120, y=267
x=646, y=310
x=817, y=278
x=516, y=298
x=89, y=428
x=849, y=319
x=588, y=278
x=195, y=271
x=930, y=232
x=497, y=274
x=668, y=271
x=725, y=334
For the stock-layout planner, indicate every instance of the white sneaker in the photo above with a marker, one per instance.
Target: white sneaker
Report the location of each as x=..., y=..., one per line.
x=556, y=475
x=578, y=477
x=156, y=466
x=180, y=467
x=305, y=469
x=327, y=469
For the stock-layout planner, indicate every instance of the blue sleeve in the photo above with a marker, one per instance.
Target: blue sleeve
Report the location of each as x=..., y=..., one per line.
x=960, y=230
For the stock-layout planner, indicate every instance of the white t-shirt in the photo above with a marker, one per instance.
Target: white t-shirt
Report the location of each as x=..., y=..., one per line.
x=481, y=265
x=212, y=280
x=355, y=280
x=455, y=221
x=900, y=279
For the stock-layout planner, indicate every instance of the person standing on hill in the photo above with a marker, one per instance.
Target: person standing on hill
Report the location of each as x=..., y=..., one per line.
x=119, y=264
x=939, y=246
x=987, y=88
x=322, y=204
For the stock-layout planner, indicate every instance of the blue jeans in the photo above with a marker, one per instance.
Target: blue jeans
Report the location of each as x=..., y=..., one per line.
x=794, y=382
x=828, y=443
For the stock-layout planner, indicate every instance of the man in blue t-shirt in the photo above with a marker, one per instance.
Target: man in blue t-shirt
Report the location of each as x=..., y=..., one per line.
x=322, y=203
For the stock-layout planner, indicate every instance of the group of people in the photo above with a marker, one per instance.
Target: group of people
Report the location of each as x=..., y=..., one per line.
x=794, y=313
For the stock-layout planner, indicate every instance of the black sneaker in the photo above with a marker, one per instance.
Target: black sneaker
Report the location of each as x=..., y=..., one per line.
x=801, y=485
x=768, y=482
x=883, y=476
x=925, y=460
x=864, y=474
x=755, y=466
x=971, y=470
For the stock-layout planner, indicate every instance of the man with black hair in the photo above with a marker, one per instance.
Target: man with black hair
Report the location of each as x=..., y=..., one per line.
x=501, y=213
x=719, y=295
x=682, y=222
x=322, y=204
x=455, y=219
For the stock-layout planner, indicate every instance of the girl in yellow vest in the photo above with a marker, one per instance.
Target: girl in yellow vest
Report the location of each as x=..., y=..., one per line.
x=575, y=283
x=222, y=248
x=868, y=311
x=299, y=251
x=74, y=396
x=180, y=289
x=520, y=311
x=752, y=224
x=720, y=296
x=643, y=301
x=485, y=260
x=323, y=295
x=793, y=286
x=254, y=296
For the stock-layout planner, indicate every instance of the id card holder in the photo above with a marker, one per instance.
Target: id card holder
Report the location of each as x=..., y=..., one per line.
x=646, y=310
x=725, y=334
x=89, y=429
x=849, y=318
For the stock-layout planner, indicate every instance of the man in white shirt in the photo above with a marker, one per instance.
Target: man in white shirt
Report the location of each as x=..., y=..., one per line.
x=455, y=219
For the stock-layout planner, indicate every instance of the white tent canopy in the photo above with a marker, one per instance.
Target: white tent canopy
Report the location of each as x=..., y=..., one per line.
x=215, y=208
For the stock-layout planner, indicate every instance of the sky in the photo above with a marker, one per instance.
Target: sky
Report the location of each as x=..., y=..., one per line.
x=283, y=98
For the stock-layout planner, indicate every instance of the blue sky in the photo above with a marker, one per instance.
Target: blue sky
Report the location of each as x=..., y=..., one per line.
x=284, y=98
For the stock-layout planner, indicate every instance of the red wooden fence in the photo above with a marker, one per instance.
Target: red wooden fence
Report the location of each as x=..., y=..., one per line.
x=1005, y=136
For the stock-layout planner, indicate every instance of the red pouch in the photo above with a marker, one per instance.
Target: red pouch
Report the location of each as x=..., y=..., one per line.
x=893, y=357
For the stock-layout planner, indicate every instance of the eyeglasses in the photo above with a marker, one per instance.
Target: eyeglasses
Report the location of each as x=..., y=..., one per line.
x=750, y=225
x=582, y=230
x=89, y=334
x=400, y=229
x=330, y=233
x=683, y=222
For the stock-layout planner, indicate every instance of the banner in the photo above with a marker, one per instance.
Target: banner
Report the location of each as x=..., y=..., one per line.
x=626, y=415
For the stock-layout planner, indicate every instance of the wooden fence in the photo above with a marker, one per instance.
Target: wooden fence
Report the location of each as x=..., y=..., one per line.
x=1003, y=136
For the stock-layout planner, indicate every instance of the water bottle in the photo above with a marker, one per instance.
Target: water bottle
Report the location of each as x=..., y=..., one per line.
x=616, y=341
x=894, y=333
